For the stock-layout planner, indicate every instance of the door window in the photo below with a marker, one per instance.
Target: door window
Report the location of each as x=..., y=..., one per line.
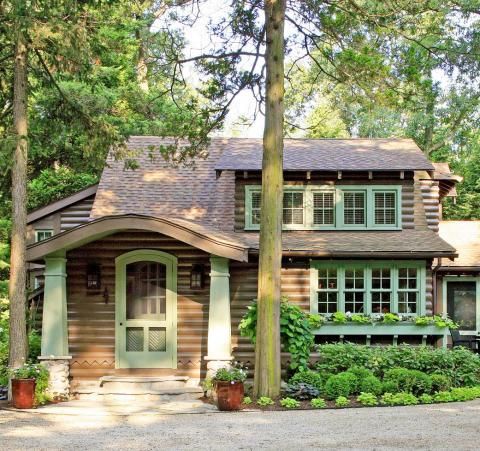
x=462, y=304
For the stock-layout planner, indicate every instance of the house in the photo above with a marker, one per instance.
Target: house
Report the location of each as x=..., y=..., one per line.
x=150, y=272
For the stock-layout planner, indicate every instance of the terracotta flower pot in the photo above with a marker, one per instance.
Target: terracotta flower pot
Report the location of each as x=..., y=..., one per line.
x=229, y=395
x=23, y=393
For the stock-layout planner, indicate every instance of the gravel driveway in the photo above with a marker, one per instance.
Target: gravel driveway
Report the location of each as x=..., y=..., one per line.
x=453, y=426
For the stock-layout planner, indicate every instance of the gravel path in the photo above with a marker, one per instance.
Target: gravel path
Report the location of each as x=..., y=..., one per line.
x=443, y=426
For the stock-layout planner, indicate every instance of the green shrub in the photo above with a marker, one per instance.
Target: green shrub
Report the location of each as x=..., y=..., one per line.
x=440, y=382
x=318, y=403
x=308, y=377
x=342, y=384
x=443, y=396
x=426, y=399
x=265, y=401
x=360, y=374
x=371, y=384
x=399, y=399
x=342, y=401
x=412, y=381
x=367, y=399
x=463, y=394
x=302, y=391
x=289, y=403
x=247, y=400
x=460, y=365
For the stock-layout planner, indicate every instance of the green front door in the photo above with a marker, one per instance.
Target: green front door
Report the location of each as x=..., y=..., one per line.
x=146, y=298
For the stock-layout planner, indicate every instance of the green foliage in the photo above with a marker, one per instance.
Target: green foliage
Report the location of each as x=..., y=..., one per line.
x=342, y=401
x=296, y=333
x=247, y=400
x=339, y=317
x=399, y=399
x=463, y=393
x=318, y=403
x=390, y=318
x=230, y=375
x=302, y=391
x=53, y=185
x=438, y=320
x=360, y=318
x=412, y=381
x=440, y=382
x=265, y=401
x=367, y=399
x=460, y=365
x=4, y=328
x=425, y=399
x=443, y=396
x=342, y=384
x=289, y=403
x=308, y=377
x=371, y=384
x=360, y=374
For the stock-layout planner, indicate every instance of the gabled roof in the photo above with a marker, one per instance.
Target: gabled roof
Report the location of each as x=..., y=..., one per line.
x=465, y=237
x=329, y=155
x=61, y=204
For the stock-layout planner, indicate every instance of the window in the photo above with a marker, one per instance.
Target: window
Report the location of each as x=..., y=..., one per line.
x=293, y=208
x=407, y=290
x=331, y=207
x=354, y=208
x=354, y=290
x=41, y=235
x=385, y=208
x=368, y=287
x=327, y=290
x=324, y=208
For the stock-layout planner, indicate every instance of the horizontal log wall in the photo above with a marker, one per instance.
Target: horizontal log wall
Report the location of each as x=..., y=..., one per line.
x=408, y=198
x=91, y=322
x=431, y=201
x=76, y=214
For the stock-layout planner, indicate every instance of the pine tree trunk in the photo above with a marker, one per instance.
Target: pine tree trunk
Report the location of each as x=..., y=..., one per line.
x=18, y=334
x=267, y=349
x=142, y=70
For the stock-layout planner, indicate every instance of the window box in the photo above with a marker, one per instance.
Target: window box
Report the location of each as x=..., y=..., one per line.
x=406, y=328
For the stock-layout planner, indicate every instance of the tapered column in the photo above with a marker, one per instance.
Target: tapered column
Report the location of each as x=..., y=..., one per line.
x=219, y=319
x=54, y=323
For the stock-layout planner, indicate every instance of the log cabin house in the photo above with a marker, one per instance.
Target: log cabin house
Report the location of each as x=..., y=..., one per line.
x=148, y=273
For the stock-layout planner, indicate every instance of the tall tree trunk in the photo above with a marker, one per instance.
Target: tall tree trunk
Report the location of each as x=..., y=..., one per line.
x=142, y=70
x=267, y=349
x=18, y=334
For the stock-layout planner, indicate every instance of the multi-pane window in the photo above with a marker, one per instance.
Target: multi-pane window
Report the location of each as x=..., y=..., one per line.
x=381, y=290
x=328, y=207
x=41, y=235
x=385, y=208
x=354, y=207
x=407, y=290
x=327, y=290
x=324, y=208
x=369, y=287
x=354, y=290
x=293, y=208
x=255, y=209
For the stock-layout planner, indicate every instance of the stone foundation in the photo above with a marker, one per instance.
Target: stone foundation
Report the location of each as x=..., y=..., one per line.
x=59, y=372
x=214, y=364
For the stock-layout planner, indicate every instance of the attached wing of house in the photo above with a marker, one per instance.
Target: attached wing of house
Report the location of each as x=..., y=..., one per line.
x=156, y=279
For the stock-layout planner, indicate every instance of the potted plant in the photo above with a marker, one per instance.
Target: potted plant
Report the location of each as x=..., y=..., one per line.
x=228, y=384
x=24, y=384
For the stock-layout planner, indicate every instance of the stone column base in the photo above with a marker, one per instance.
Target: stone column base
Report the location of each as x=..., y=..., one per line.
x=215, y=363
x=59, y=372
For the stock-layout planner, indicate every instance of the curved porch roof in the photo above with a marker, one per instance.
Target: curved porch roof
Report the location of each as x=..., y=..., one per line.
x=201, y=237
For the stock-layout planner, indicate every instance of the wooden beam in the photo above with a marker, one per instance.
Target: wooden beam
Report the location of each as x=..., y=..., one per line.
x=339, y=174
x=309, y=175
x=245, y=174
x=370, y=175
x=402, y=175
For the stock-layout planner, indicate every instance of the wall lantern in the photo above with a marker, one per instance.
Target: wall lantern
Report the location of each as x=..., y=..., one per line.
x=93, y=276
x=197, y=277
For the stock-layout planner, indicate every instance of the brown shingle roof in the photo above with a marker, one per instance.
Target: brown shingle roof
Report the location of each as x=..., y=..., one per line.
x=465, y=237
x=329, y=155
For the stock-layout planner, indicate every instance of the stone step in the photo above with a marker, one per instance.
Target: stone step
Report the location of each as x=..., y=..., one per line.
x=187, y=395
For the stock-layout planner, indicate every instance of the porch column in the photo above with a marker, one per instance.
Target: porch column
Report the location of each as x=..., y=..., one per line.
x=219, y=319
x=54, y=326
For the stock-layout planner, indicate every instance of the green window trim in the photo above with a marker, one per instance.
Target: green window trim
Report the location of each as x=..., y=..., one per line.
x=315, y=208
x=368, y=266
x=43, y=234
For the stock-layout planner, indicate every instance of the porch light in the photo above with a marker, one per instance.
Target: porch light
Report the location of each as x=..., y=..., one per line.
x=93, y=277
x=197, y=277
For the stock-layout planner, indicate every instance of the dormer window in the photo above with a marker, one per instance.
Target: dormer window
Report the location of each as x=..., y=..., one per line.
x=348, y=207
